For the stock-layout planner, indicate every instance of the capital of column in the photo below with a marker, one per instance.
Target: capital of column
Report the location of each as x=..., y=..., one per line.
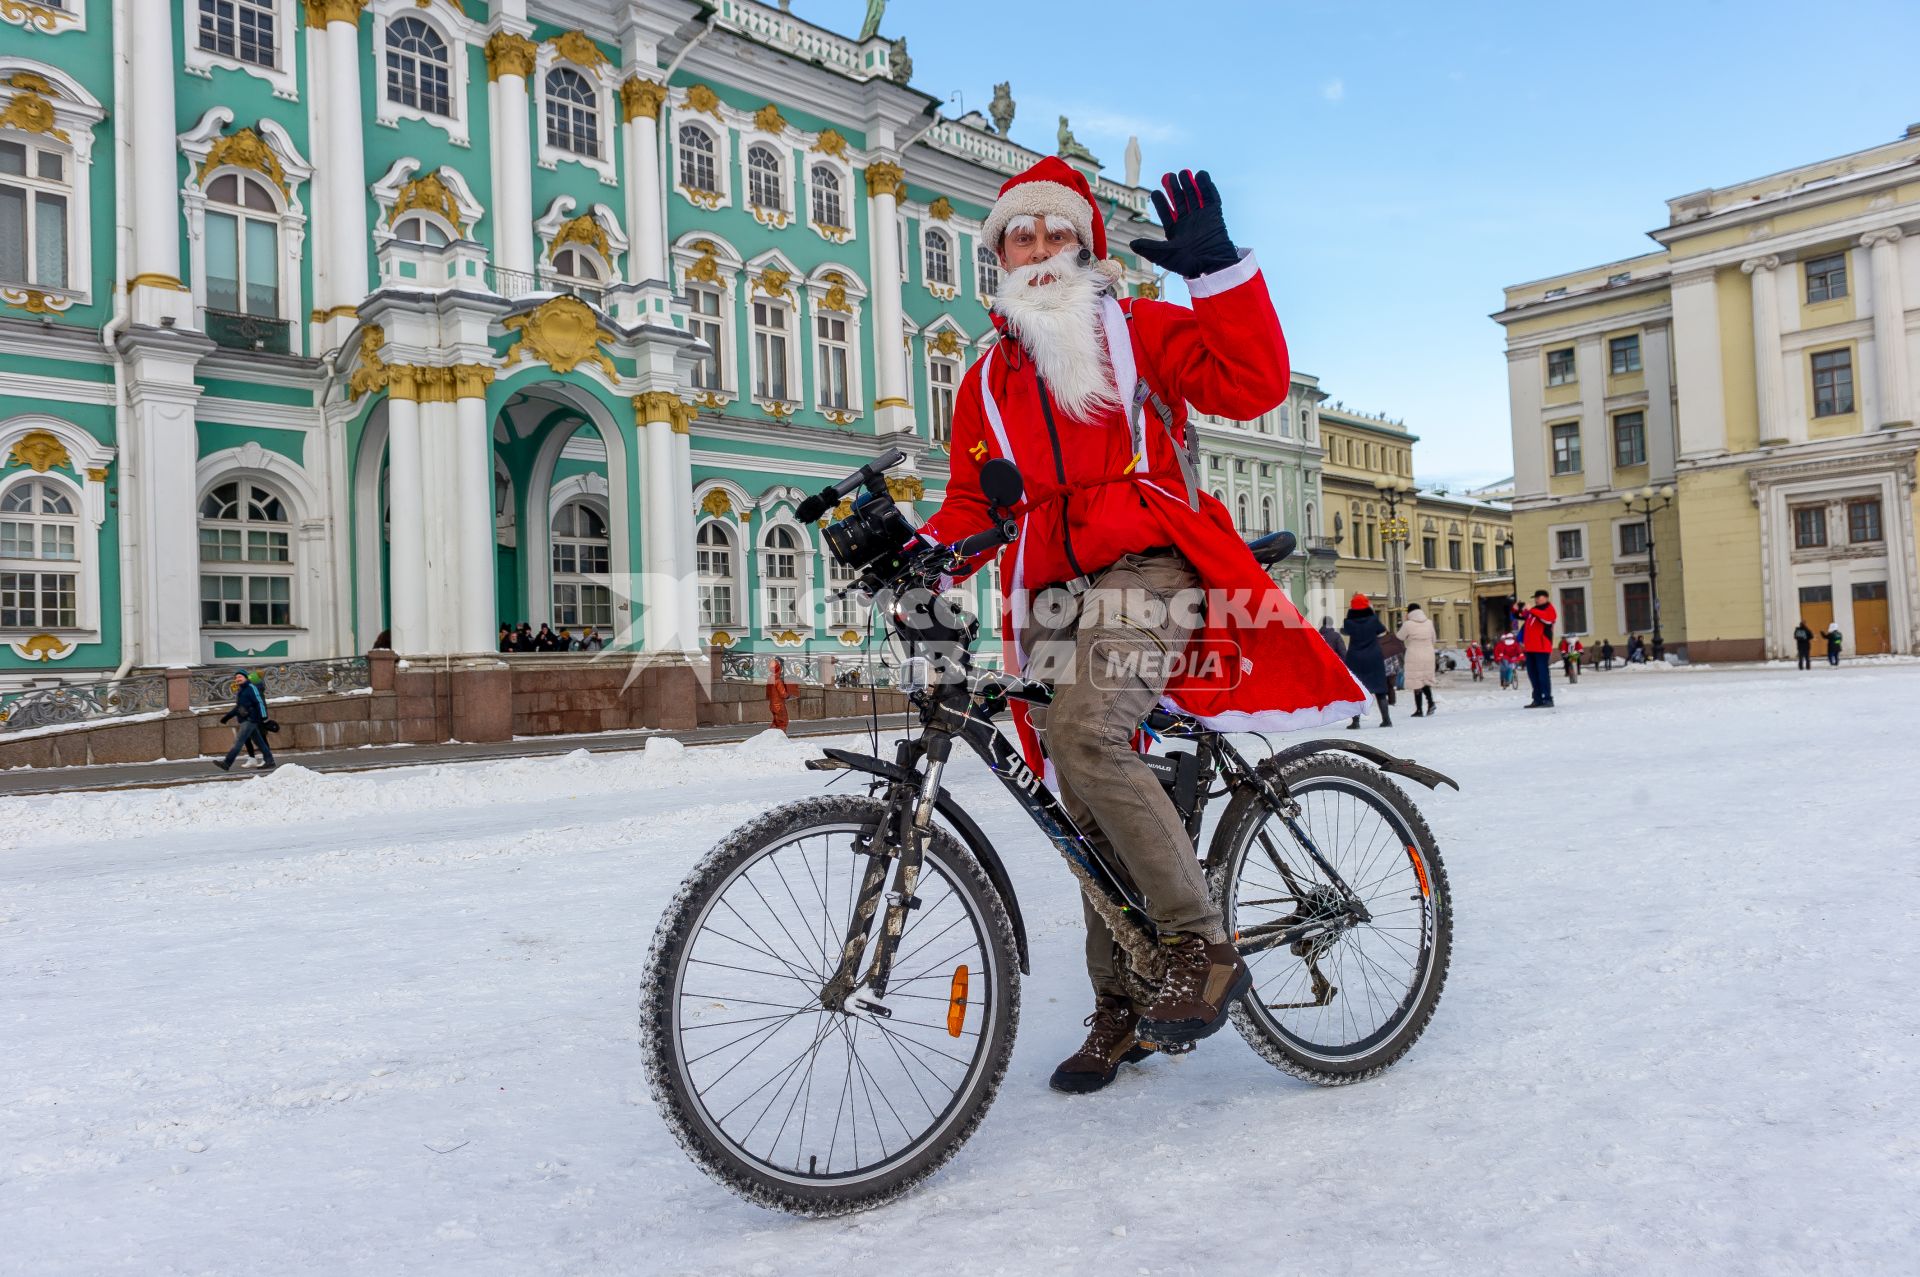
x=510, y=54
x=1753, y=264
x=1888, y=235
x=415, y=383
x=642, y=99
x=884, y=177
x=321, y=12
x=650, y=406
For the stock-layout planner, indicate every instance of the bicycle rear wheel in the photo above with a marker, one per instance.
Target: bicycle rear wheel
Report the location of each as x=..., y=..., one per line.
x=790, y=1105
x=1343, y=1008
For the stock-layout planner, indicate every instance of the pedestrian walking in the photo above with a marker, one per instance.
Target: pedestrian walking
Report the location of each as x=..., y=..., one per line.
x=779, y=692
x=1570, y=659
x=1833, y=644
x=1422, y=643
x=1394, y=652
x=1536, y=640
x=1332, y=637
x=250, y=707
x=1606, y=654
x=1636, y=650
x=1476, y=661
x=1803, y=645
x=1364, y=657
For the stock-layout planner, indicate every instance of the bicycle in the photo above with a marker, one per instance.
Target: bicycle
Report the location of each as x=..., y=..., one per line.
x=808, y=1083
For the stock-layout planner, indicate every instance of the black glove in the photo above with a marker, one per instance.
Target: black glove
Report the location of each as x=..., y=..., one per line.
x=1196, y=242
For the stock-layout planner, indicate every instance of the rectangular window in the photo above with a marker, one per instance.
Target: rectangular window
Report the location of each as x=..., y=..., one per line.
x=942, y=377
x=1453, y=556
x=704, y=321
x=1630, y=439
x=1636, y=598
x=1827, y=278
x=39, y=600
x=1560, y=367
x=1429, y=551
x=1809, y=527
x=596, y=605
x=1573, y=609
x=783, y=605
x=1633, y=539
x=716, y=605
x=1832, y=383
x=1863, y=521
x=1816, y=594
x=33, y=215
x=1479, y=556
x=1623, y=354
x=1868, y=591
x=1569, y=545
x=240, y=29
x=1566, y=449
x=1500, y=557
x=834, y=357
x=769, y=350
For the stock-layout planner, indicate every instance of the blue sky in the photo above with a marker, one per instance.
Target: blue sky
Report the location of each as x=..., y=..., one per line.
x=1397, y=164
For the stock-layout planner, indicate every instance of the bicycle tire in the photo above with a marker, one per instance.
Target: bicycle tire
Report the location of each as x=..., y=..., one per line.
x=1244, y=816
x=662, y=988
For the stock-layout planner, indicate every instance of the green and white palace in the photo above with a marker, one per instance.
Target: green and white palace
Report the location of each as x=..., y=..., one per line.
x=326, y=318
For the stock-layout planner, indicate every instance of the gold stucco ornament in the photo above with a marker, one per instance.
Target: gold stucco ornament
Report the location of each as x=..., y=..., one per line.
x=701, y=98
x=321, y=12
x=31, y=113
x=831, y=142
x=36, y=301
x=584, y=229
x=947, y=343
x=641, y=99
x=836, y=298
x=906, y=488
x=563, y=334
x=577, y=48
x=941, y=210
x=663, y=405
x=769, y=120
x=372, y=371
x=717, y=503
x=44, y=647
x=31, y=16
x=774, y=282
x=429, y=192
x=244, y=148
x=40, y=449
x=707, y=268
x=510, y=54
x=885, y=178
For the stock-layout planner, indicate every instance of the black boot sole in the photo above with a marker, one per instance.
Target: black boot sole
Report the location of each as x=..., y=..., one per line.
x=1174, y=1034
x=1087, y=1083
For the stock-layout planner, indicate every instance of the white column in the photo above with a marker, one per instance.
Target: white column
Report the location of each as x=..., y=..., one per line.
x=884, y=181
x=1596, y=430
x=664, y=628
x=641, y=100
x=1702, y=427
x=154, y=277
x=1529, y=434
x=1889, y=327
x=406, y=520
x=158, y=493
x=681, y=494
x=346, y=218
x=1769, y=389
x=509, y=62
x=474, y=457
x=1658, y=366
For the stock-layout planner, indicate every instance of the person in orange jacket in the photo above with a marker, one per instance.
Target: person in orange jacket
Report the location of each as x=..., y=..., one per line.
x=779, y=692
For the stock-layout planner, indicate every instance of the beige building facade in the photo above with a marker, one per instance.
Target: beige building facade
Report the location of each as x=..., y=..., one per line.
x=1751, y=385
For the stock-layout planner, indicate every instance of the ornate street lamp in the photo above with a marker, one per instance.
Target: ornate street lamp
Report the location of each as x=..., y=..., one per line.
x=1646, y=503
x=1395, y=534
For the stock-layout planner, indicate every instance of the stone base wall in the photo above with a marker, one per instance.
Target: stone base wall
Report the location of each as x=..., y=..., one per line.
x=467, y=699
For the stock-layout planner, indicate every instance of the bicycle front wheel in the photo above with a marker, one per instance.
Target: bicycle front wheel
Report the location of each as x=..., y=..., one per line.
x=1346, y=1005
x=793, y=1106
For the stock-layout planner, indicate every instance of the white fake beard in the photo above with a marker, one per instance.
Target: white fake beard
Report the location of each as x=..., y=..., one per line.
x=1058, y=321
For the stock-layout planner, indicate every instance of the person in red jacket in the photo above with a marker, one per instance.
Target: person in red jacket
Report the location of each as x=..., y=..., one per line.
x=1087, y=394
x=1536, y=639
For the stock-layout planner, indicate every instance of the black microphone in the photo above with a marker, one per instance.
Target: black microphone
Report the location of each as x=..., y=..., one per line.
x=1086, y=257
x=828, y=497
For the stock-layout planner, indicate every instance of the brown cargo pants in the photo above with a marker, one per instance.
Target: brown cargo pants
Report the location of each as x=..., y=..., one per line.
x=1109, y=654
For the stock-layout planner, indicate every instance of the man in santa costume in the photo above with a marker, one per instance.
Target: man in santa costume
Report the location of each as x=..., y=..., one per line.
x=1128, y=587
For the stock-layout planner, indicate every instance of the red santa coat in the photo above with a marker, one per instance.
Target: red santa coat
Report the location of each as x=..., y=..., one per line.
x=1099, y=489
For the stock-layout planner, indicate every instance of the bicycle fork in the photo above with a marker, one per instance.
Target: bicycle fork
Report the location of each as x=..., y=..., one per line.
x=903, y=840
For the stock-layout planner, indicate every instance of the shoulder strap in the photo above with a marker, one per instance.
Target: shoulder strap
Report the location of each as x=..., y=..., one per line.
x=1189, y=456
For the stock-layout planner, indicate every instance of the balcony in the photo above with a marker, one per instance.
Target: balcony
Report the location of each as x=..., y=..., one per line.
x=1322, y=548
x=259, y=333
x=516, y=284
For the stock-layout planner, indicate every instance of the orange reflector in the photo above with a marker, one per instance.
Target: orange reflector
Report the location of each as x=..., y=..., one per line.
x=1420, y=872
x=957, y=1002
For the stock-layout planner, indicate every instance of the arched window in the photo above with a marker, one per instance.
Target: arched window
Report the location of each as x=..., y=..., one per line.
x=716, y=570
x=242, y=247
x=763, y=178
x=939, y=254
x=573, y=113
x=1266, y=514
x=828, y=209
x=36, y=196
x=1308, y=526
x=420, y=229
x=577, y=272
x=1240, y=511
x=39, y=557
x=581, y=555
x=780, y=575
x=697, y=169
x=419, y=70
x=246, y=557
x=986, y=272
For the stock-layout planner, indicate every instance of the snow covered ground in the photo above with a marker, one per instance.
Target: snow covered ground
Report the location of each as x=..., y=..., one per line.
x=385, y=1023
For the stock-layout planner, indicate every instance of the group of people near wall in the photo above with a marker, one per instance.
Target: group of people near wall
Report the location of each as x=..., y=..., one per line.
x=524, y=638
x=1387, y=662
x=1803, y=637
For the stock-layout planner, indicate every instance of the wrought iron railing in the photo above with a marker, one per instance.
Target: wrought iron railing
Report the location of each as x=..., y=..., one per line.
x=516, y=284
x=249, y=332
x=753, y=666
x=82, y=702
x=213, y=684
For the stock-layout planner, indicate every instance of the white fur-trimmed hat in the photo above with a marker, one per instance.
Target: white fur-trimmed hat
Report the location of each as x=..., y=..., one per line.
x=1051, y=188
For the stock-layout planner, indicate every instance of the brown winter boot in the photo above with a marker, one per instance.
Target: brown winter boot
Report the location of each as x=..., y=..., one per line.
x=1109, y=1044
x=1201, y=984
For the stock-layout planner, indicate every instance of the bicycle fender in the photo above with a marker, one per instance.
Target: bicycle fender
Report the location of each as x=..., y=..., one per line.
x=970, y=834
x=1378, y=757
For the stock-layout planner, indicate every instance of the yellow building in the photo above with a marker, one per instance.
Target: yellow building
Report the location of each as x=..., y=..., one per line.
x=1751, y=384
x=1401, y=544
